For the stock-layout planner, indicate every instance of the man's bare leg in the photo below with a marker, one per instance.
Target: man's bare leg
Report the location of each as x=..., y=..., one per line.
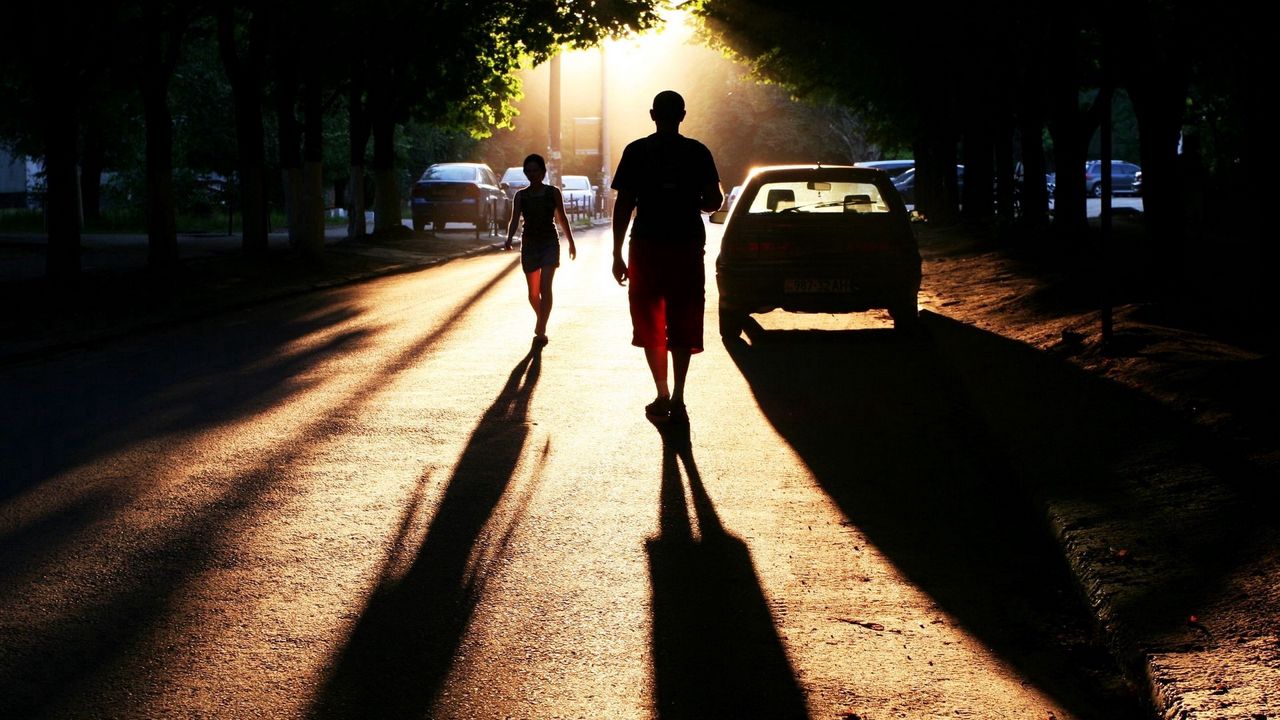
x=680, y=366
x=657, y=359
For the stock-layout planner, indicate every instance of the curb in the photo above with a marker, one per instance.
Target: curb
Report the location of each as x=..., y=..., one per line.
x=1161, y=529
x=46, y=348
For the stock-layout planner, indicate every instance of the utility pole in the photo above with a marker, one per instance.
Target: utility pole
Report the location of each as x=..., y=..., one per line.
x=553, y=125
x=606, y=159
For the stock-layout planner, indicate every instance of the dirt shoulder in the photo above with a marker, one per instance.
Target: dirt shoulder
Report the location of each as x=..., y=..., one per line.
x=1154, y=456
x=1215, y=376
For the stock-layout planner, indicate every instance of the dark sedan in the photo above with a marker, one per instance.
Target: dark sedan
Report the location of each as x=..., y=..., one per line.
x=458, y=192
x=906, y=184
x=1123, y=175
x=815, y=238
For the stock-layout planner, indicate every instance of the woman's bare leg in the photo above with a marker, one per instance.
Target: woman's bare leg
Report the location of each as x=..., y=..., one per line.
x=545, y=298
x=535, y=293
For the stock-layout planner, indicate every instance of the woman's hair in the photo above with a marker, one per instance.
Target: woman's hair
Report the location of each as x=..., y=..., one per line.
x=535, y=158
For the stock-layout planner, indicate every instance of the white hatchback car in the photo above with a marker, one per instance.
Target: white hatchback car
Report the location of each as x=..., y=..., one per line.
x=577, y=192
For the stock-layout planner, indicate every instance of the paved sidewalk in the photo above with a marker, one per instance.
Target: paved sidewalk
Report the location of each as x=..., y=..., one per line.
x=1169, y=529
x=116, y=295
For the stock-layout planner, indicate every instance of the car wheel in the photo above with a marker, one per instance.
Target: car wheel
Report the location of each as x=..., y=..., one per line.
x=906, y=315
x=1096, y=190
x=731, y=322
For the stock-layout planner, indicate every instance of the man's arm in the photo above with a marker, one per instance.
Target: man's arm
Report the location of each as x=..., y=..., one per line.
x=712, y=197
x=623, y=206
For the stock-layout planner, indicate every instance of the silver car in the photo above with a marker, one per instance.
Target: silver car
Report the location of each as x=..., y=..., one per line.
x=578, y=194
x=816, y=239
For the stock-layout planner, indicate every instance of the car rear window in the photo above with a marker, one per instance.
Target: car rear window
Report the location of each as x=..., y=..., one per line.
x=576, y=182
x=450, y=173
x=818, y=197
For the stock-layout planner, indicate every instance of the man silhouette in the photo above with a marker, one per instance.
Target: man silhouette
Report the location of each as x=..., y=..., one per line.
x=668, y=180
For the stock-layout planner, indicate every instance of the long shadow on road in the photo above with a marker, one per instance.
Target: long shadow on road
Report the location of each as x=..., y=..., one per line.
x=890, y=438
x=716, y=653
x=403, y=645
x=105, y=617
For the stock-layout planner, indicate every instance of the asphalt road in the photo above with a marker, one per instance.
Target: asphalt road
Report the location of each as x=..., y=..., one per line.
x=378, y=502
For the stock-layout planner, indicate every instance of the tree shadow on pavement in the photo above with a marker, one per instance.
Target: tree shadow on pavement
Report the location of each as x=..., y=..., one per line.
x=93, y=407
x=119, y=570
x=890, y=437
x=716, y=652
x=1166, y=518
x=403, y=646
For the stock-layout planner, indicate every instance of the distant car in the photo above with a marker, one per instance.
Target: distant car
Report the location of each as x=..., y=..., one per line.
x=1122, y=177
x=892, y=168
x=458, y=192
x=513, y=181
x=906, y=184
x=816, y=238
x=730, y=197
x=578, y=193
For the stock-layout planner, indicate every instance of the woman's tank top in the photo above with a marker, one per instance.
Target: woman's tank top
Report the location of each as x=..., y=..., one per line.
x=538, y=212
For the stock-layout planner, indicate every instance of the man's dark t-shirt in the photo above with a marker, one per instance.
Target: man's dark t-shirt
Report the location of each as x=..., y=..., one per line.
x=667, y=172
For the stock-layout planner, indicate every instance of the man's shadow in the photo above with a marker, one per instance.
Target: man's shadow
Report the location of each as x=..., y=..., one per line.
x=404, y=644
x=716, y=653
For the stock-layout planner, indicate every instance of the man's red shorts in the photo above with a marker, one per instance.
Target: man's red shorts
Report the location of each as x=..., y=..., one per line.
x=667, y=293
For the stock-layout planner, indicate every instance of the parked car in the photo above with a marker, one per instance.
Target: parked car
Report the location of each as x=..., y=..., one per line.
x=730, y=197
x=1122, y=176
x=816, y=238
x=892, y=168
x=577, y=192
x=513, y=181
x=906, y=184
x=458, y=192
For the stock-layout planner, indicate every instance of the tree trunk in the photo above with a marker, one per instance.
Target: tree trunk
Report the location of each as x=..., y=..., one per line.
x=312, y=191
x=1070, y=152
x=62, y=194
x=979, y=151
x=162, y=233
x=358, y=125
x=935, y=173
x=246, y=78
x=1035, y=198
x=289, y=131
x=1159, y=101
x=1005, y=177
x=91, y=167
x=386, y=189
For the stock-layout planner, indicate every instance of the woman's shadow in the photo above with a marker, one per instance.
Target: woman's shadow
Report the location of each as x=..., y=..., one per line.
x=403, y=645
x=716, y=653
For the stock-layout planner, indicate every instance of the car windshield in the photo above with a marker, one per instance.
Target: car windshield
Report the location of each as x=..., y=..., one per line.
x=514, y=175
x=801, y=196
x=450, y=173
x=576, y=182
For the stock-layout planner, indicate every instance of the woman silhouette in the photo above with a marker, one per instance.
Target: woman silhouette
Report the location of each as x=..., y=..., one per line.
x=541, y=208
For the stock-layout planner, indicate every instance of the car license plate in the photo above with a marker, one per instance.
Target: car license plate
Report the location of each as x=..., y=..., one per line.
x=817, y=285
